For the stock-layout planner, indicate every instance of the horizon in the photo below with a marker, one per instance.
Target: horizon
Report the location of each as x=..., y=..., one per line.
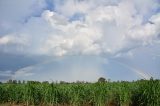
x=12, y=81
x=79, y=40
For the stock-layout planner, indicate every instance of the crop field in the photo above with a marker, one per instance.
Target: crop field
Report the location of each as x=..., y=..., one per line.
x=31, y=93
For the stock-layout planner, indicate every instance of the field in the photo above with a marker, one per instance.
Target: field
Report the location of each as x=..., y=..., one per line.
x=31, y=93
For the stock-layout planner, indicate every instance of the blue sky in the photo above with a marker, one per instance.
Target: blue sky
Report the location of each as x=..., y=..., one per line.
x=82, y=40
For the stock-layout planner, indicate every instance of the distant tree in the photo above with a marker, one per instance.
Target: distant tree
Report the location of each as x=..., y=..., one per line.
x=80, y=82
x=109, y=80
x=33, y=82
x=151, y=79
x=45, y=82
x=14, y=81
x=19, y=81
x=62, y=82
x=9, y=81
x=101, y=79
x=23, y=81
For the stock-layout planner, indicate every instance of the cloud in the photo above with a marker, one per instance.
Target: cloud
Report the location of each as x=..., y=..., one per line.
x=25, y=72
x=103, y=25
x=105, y=28
x=13, y=39
x=97, y=40
x=10, y=63
x=14, y=14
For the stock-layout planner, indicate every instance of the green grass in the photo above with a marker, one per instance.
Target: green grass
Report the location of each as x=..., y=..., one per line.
x=138, y=93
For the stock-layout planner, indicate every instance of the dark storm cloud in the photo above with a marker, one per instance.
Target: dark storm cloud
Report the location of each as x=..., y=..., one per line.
x=14, y=62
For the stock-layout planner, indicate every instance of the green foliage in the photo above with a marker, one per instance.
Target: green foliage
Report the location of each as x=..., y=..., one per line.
x=138, y=93
x=147, y=94
x=101, y=79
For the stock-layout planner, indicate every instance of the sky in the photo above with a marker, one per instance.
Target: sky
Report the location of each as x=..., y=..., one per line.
x=71, y=40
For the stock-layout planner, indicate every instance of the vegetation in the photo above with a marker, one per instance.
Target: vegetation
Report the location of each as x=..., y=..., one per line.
x=102, y=93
